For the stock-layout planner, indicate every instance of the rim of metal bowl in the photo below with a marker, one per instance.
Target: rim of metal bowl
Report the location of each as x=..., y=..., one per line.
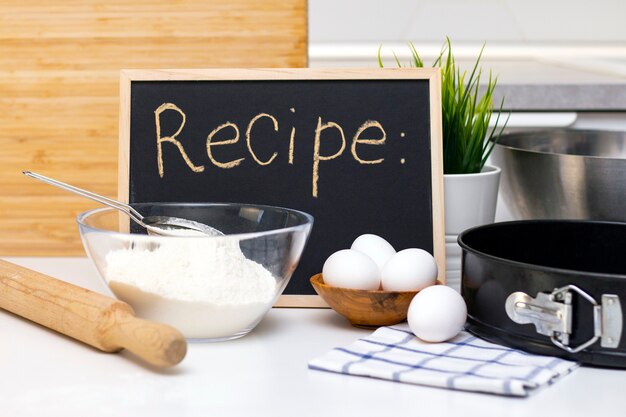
x=500, y=143
x=309, y=220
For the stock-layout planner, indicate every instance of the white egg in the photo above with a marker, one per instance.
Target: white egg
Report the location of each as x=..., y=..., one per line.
x=375, y=247
x=348, y=268
x=437, y=314
x=409, y=270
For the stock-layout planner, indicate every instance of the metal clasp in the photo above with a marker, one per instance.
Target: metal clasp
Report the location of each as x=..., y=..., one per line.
x=552, y=316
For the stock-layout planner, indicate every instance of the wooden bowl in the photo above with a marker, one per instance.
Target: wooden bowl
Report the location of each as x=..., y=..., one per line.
x=365, y=308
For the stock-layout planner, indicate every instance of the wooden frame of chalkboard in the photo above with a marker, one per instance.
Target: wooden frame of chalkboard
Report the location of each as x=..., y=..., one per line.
x=386, y=177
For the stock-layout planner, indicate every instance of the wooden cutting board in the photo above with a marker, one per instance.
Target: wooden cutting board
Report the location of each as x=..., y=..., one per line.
x=59, y=91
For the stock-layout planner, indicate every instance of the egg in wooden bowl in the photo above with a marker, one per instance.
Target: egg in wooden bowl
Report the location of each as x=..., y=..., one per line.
x=371, y=284
x=365, y=308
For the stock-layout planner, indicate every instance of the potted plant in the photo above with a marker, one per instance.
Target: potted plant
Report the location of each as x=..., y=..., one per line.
x=470, y=186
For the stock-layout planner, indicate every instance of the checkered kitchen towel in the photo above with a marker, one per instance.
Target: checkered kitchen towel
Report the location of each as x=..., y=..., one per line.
x=463, y=363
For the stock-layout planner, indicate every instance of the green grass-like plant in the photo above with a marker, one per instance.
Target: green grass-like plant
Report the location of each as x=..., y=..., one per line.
x=467, y=138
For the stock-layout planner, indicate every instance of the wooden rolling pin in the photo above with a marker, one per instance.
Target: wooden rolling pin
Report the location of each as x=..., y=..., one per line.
x=102, y=322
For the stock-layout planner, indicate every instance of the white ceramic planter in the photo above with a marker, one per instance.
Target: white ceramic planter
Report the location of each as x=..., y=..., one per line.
x=470, y=200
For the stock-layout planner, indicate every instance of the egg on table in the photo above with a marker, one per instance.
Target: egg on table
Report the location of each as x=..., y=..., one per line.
x=375, y=247
x=349, y=268
x=437, y=314
x=409, y=270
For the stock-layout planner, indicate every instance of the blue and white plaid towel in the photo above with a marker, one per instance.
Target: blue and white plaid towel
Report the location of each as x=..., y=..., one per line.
x=464, y=363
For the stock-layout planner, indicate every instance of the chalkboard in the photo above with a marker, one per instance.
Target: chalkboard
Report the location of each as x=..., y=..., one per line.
x=360, y=150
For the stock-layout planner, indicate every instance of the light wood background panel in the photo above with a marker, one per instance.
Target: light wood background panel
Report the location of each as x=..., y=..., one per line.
x=59, y=91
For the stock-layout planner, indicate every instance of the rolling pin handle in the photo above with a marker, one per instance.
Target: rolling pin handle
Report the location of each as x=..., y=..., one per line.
x=156, y=343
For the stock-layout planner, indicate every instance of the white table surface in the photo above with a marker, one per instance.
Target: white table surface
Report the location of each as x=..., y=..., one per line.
x=264, y=373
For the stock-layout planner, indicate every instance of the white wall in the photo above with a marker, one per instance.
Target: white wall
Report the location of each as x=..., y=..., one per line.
x=467, y=20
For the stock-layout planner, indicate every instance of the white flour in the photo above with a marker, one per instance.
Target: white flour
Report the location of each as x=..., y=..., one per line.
x=206, y=288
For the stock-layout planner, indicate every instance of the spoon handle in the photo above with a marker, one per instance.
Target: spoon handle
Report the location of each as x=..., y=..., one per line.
x=131, y=212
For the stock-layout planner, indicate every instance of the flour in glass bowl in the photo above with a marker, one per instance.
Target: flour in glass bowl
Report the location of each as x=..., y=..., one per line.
x=206, y=288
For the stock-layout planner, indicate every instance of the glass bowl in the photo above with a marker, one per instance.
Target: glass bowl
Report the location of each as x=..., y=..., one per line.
x=210, y=288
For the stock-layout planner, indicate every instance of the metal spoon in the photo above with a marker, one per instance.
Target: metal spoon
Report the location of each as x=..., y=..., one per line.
x=155, y=225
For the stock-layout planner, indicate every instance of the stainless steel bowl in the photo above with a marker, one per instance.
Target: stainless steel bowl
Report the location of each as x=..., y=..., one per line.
x=563, y=174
